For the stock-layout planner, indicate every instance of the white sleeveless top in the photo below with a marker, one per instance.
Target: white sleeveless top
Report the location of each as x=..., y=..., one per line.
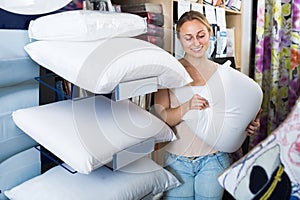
x=234, y=101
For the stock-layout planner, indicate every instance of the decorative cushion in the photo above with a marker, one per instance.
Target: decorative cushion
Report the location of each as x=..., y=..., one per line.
x=86, y=133
x=134, y=181
x=100, y=66
x=272, y=168
x=234, y=100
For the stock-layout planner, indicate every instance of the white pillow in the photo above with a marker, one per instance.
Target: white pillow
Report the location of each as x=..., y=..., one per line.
x=234, y=100
x=99, y=66
x=86, y=25
x=86, y=133
x=135, y=181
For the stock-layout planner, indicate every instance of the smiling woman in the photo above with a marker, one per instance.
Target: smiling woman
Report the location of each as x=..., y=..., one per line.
x=32, y=7
x=212, y=97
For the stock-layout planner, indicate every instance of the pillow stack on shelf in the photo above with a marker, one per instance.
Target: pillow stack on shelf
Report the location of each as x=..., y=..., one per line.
x=18, y=160
x=101, y=52
x=95, y=51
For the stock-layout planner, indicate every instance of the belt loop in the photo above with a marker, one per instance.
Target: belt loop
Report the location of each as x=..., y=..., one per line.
x=193, y=158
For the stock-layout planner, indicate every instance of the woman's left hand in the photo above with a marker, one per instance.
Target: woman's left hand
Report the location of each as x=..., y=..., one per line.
x=254, y=124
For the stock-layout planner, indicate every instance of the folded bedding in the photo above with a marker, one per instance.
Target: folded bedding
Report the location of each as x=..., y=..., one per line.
x=12, y=43
x=86, y=133
x=11, y=99
x=12, y=139
x=19, y=168
x=17, y=71
x=15, y=64
x=19, y=96
x=14, y=145
x=134, y=181
x=17, y=90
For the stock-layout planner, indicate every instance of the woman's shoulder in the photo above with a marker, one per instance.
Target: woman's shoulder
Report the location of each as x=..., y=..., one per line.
x=183, y=62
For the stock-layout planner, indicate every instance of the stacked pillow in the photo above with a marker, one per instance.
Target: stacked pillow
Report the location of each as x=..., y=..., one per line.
x=86, y=25
x=139, y=180
x=94, y=50
x=86, y=133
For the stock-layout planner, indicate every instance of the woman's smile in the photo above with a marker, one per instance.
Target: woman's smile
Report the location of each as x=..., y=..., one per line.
x=197, y=49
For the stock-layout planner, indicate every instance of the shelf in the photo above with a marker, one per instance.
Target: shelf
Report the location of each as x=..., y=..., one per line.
x=131, y=154
x=233, y=20
x=129, y=89
x=230, y=11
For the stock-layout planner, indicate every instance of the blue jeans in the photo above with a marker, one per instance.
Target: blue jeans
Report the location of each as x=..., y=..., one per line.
x=198, y=176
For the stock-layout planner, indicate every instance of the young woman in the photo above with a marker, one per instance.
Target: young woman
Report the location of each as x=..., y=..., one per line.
x=196, y=164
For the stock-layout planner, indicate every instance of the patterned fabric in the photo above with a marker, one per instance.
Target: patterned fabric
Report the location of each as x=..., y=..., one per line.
x=272, y=168
x=277, y=61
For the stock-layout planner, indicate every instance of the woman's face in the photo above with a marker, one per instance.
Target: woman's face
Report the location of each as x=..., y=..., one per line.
x=194, y=38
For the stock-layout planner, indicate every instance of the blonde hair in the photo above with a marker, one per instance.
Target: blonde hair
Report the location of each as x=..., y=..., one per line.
x=190, y=16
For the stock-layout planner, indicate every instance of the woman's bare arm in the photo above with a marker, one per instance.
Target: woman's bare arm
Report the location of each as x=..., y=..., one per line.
x=172, y=116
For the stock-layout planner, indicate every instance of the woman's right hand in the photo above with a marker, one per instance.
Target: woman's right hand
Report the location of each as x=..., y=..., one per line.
x=198, y=103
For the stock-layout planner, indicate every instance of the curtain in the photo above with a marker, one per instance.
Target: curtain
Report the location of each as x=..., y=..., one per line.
x=277, y=58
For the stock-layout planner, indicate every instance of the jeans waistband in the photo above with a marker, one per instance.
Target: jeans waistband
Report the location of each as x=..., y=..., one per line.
x=195, y=157
x=192, y=158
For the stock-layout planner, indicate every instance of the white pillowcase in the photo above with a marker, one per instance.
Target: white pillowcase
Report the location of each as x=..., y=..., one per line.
x=86, y=25
x=234, y=100
x=100, y=66
x=86, y=133
x=135, y=181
